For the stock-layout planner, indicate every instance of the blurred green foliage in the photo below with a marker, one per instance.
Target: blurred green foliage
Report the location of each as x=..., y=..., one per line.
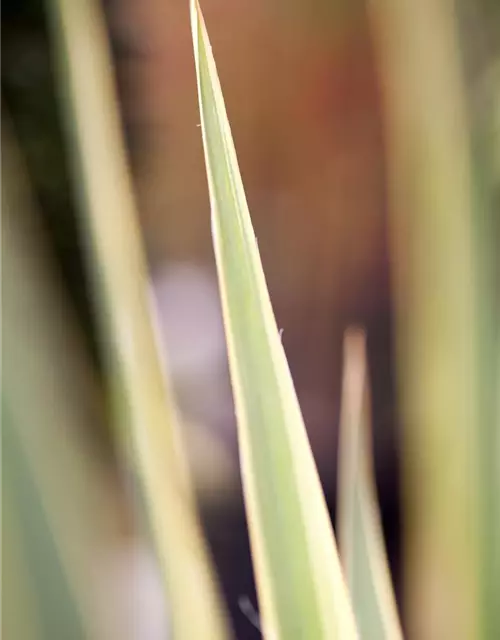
x=448, y=240
x=29, y=93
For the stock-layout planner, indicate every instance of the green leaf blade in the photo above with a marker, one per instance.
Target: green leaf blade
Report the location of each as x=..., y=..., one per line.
x=360, y=530
x=52, y=484
x=146, y=413
x=301, y=590
x=432, y=214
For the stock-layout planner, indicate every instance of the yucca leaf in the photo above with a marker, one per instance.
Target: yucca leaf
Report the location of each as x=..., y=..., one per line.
x=56, y=514
x=301, y=590
x=20, y=610
x=361, y=541
x=45, y=590
x=434, y=271
x=145, y=411
x=485, y=143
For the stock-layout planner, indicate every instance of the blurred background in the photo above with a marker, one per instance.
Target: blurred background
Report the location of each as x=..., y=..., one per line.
x=303, y=89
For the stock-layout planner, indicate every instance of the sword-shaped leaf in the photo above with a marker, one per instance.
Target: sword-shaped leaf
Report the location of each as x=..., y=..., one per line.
x=146, y=412
x=301, y=590
x=361, y=539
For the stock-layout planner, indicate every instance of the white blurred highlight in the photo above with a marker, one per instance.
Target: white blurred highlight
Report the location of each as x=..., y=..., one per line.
x=191, y=335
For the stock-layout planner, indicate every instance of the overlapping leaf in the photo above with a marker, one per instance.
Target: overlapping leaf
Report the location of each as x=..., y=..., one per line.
x=147, y=420
x=361, y=540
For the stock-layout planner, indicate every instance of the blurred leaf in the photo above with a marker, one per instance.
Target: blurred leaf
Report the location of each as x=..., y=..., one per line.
x=145, y=411
x=20, y=612
x=55, y=509
x=361, y=539
x=40, y=600
x=301, y=589
x=437, y=303
x=486, y=230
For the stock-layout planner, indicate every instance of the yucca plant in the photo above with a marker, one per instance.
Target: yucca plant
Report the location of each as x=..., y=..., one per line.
x=305, y=589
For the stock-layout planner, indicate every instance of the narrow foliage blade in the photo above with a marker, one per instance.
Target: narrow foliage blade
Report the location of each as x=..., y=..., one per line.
x=436, y=294
x=144, y=406
x=301, y=590
x=361, y=540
